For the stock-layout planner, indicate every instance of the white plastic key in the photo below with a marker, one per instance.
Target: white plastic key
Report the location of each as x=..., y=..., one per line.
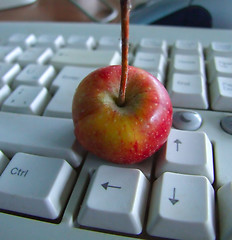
x=109, y=43
x=85, y=58
x=23, y=40
x=52, y=137
x=50, y=41
x=223, y=49
x=80, y=41
x=187, y=64
x=219, y=67
x=188, y=90
x=36, y=185
x=189, y=47
x=152, y=45
x=27, y=100
x=221, y=94
x=39, y=55
x=3, y=162
x=4, y=93
x=115, y=200
x=8, y=71
x=150, y=61
x=61, y=103
x=70, y=74
x=35, y=74
x=182, y=207
x=186, y=152
x=224, y=196
x=9, y=53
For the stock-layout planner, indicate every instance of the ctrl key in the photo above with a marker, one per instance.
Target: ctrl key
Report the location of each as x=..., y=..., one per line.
x=182, y=207
x=35, y=185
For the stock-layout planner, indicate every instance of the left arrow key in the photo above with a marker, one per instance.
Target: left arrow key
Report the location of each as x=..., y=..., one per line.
x=124, y=202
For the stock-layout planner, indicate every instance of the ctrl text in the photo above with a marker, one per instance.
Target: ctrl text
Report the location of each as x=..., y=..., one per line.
x=19, y=172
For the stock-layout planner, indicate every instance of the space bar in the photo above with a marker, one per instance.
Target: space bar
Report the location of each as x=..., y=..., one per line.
x=46, y=136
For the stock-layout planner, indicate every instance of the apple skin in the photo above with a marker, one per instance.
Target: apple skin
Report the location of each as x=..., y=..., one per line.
x=127, y=134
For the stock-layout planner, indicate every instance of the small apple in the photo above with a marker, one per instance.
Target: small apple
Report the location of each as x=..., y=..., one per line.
x=126, y=133
x=121, y=113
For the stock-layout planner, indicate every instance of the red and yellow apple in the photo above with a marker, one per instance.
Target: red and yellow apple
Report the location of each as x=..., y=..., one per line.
x=121, y=134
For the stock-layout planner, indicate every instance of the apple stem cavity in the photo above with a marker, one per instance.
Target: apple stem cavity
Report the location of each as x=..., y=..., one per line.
x=125, y=18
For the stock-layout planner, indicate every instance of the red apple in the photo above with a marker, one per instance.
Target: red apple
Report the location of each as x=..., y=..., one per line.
x=121, y=134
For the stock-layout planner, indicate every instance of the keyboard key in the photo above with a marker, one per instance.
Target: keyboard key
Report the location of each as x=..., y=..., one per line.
x=3, y=162
x=187, y=64
x=189, y=47
x=182, y=207
x=68, y=75
x=61, y=103
x=186, y=152
x=224, y=196
x=223, y=49
x=109, y=43
x=85, y=58
x=152, y=45
x=27, y=100
x=50, y=41
x=51, y=137
x=221, y=94
x=36, y=185
x=80, y=41
x=116, y=200
x=188, y=91
x=35, y=75
x=8, y=71
x=9, y=53
x=219, y=67
x=4, y=93
x=39, y=55
x=22, y=40
x=150, y=61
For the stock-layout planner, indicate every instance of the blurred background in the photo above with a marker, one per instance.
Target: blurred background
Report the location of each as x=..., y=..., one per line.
x=194, y=13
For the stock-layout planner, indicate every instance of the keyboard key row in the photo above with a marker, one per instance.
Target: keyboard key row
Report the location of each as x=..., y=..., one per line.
x=122, y=197
x=185, y=90
x=56, y=41
x=174, y=208
x=183, y=74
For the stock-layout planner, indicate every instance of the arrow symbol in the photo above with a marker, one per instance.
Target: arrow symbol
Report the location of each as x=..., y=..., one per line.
x=173, y=200
x=106, y=185
x=177, y=141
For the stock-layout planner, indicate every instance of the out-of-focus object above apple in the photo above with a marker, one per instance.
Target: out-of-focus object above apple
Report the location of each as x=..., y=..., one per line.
x=7, y=4
x=110, y=11
x=205, y=13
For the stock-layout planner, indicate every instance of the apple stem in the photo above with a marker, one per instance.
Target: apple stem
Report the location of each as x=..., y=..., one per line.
x=125, y=17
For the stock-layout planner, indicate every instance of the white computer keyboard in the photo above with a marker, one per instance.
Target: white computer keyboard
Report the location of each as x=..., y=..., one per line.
x=51, y=188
